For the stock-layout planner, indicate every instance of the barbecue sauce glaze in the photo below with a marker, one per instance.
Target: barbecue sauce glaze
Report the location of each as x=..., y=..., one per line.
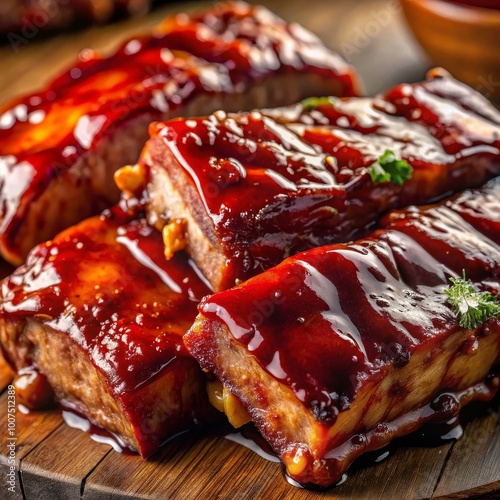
x=361, y=306
x=106, y=284
x=133, y=325
x=329, y=321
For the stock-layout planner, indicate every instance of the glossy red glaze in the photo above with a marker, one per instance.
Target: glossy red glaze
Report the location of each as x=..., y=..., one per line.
x=29, y=18
x=223, y=50
x=485, y=4
x=32, y=389
x=280, y=181
x=327, y=320
x=107, y=285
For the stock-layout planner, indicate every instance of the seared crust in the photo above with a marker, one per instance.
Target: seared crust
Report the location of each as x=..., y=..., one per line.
x=319, y=454
x=101, y=314
x=60, y=147
x=257, y=187
x=340, y=349
x=172, y=197
x=77, y=384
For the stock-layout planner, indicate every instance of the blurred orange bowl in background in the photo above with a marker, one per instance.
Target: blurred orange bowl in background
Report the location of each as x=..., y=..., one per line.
x=461, y=37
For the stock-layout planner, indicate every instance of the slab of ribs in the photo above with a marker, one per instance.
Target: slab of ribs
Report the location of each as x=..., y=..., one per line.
x=60, y=146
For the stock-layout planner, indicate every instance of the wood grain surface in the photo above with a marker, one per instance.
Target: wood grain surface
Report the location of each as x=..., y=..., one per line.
x=54, y=461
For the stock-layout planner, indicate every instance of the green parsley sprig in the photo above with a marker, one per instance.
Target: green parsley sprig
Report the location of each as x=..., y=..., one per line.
x=389, y=169
x=473, y=307
x=314, y=102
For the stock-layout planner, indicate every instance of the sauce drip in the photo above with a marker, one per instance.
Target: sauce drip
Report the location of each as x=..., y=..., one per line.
x=76, y=421
x=429, y=435
x=107, y=284
x=364, y=307
x=251, y=439
x=222, y=51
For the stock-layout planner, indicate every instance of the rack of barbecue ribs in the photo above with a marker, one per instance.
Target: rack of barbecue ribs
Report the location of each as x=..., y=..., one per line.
x=243, y=191
x=60, y=147
x=340, y=349
x=97, y=316
x=21, y=16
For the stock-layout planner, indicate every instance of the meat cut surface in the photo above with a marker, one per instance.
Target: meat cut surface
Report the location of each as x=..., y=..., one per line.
x=101, y=314
x=342, y=348
x=60, y=147
x=250, y=189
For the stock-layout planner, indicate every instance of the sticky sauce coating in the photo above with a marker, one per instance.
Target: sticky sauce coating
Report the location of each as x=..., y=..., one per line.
x=328, y=320
x=109, y=287
x=221, y=51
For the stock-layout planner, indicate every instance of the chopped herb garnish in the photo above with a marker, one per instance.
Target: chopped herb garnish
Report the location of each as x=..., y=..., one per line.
x=473, y=307
x=314, y=102
x=389, y=169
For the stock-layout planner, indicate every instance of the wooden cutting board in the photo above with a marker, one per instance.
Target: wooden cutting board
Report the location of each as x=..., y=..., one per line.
x=54, y=461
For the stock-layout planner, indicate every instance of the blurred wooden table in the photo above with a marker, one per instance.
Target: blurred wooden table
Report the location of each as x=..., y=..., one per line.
x=56, y=461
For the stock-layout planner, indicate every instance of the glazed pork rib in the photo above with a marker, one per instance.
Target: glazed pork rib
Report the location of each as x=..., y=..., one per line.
x=340, y=349
x=19, y=15
x=101, y=314
x=60, y=147
x=246, y=190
